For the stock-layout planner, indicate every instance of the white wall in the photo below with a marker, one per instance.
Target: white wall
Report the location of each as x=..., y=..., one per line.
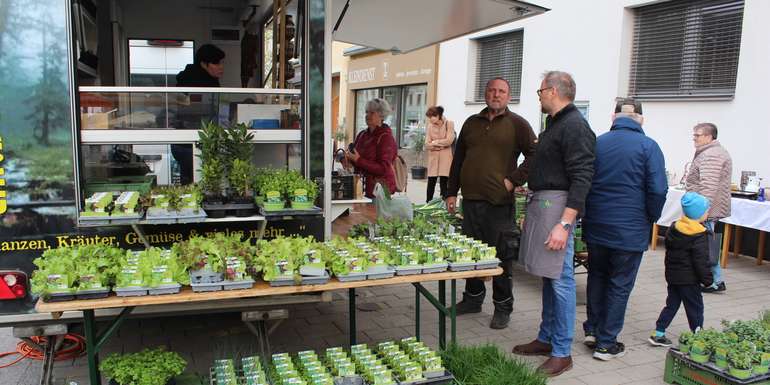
x=592, y=40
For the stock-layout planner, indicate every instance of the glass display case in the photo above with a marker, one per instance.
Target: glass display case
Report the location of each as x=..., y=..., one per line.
x=137, y=137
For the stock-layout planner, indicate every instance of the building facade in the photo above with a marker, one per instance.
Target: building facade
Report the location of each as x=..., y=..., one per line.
x=689, y=61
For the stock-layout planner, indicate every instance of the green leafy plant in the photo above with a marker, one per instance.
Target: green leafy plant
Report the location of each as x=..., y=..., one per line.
x=238, y=143
x=212, y=177
x=67, y=269
x=740, y=360
x=147, y=367
x=212, y=140
x=240, y=177
x=685, y=337
x=487, y=365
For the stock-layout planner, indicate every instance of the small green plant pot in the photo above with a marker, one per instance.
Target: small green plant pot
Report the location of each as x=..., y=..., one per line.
x=684, y=348
x=301, y=205
x=741, y=374
x=259, y=200
x=699, y=358
x=721, y=363
x=765, y=361
x=274, y=206
x=760, y=369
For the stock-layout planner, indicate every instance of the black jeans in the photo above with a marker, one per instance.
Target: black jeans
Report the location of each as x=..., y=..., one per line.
x=183, y=153
x=432, y=186
x=611, y=277
x=493, y=225
x=692, y=298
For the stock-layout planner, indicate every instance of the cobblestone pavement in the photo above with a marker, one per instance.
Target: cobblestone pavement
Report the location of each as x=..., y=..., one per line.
x=201, y=339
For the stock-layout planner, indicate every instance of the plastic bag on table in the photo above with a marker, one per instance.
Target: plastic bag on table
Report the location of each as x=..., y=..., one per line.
x=392, y=206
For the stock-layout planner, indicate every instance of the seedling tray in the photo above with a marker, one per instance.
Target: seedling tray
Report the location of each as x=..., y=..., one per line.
x=126, y=219
x=94, y=221
x=444, y=378
x=462, y=266
x=434, y=268
x=315, y=280
x=283, y=282
x=60, y=297
x=165, y=289
x=387, y=273
x=351, y=277
x=312, y=271
x=192, y=218
x=136, y=291
x=487, y=264
x=681, y=370
x=238, y=285
x=288, y=212
x=408, y=270
x=349, y=380
x=205, y=287
x=93, y=293
x=205, y=276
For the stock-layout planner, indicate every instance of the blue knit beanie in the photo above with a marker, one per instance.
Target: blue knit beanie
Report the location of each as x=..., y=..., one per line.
x=694, y=205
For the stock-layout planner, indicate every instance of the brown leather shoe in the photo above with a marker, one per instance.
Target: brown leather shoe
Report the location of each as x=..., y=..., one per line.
x=555, y=366
x=534, y=348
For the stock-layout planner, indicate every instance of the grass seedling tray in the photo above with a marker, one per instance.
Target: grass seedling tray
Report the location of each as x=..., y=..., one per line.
x=238, y=285
x=683, y=371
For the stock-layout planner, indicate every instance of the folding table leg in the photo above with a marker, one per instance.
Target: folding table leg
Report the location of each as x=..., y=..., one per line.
x=352, y=314
x=92, y=352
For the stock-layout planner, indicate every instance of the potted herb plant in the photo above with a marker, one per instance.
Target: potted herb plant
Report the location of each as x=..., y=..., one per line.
x=147, y=367
x=212, y=181
x=272, y=190
x=740, y=364
x=240, y=178
x=303, y=193
x=684, y=341
x=699, y=350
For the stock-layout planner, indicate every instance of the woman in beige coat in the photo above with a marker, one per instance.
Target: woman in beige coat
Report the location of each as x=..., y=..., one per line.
x=439, y=137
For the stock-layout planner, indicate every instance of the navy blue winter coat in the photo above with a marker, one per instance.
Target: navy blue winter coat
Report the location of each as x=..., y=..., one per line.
x=628, y=190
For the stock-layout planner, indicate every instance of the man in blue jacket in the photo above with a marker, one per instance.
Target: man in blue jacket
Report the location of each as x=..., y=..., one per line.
x=627, y=196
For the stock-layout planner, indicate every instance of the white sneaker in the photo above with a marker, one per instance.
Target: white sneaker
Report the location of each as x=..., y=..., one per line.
x=590, y=341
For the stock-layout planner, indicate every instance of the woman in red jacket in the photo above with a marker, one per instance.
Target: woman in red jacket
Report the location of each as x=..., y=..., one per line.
x=375, y=149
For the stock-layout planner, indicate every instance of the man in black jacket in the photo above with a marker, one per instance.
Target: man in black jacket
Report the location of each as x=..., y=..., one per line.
x=560, y=176
x=687, y=267
x=208, y=67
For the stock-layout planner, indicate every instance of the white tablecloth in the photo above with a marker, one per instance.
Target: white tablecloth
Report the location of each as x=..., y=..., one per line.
x=745, y=212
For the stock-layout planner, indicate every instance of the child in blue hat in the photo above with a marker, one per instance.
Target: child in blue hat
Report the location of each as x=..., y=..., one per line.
x=687, y=267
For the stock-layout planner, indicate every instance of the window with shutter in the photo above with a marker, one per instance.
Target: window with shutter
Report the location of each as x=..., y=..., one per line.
x=686, y=49
x=499, y=56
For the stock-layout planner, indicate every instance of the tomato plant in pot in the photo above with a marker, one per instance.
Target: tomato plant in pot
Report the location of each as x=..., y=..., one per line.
x=147, y=367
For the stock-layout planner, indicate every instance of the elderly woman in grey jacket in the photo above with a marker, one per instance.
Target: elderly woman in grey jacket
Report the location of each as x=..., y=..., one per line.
x=710, y=175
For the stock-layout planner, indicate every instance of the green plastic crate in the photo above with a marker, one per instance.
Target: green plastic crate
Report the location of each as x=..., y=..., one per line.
x=141, y=183
x=682, y=371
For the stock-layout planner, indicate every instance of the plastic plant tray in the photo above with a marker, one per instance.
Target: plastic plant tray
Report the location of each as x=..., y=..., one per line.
x=205, y=276
x=462, y=266
x=93, y=293
x=315, y=280
x=312, y=271
x=408, y=270
x=126, y=219
x=130, y=291
x=238, y=285
x=60, y=297
x=94, y=221
x=444, y=378
x=434, y=267
x=283, y=282
x=165, y=289
x=351, y=277
x=191, y=218
x=430, y=375
x=487, y=264
x=349, y=380
x=389, y=273
x=680, y=369
x=204, y=287
x=271, y=212
x=379, y=269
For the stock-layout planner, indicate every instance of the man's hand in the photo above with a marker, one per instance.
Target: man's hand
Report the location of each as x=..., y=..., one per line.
x=450, y=204
x=508, y=185
x=557, y=239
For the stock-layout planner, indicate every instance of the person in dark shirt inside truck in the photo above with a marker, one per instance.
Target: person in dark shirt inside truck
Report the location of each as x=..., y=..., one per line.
x=485, y=168
x=560, y=176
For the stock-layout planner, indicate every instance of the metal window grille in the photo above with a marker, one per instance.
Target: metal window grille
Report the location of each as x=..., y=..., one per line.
x=499, y=56
x=686, y=49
